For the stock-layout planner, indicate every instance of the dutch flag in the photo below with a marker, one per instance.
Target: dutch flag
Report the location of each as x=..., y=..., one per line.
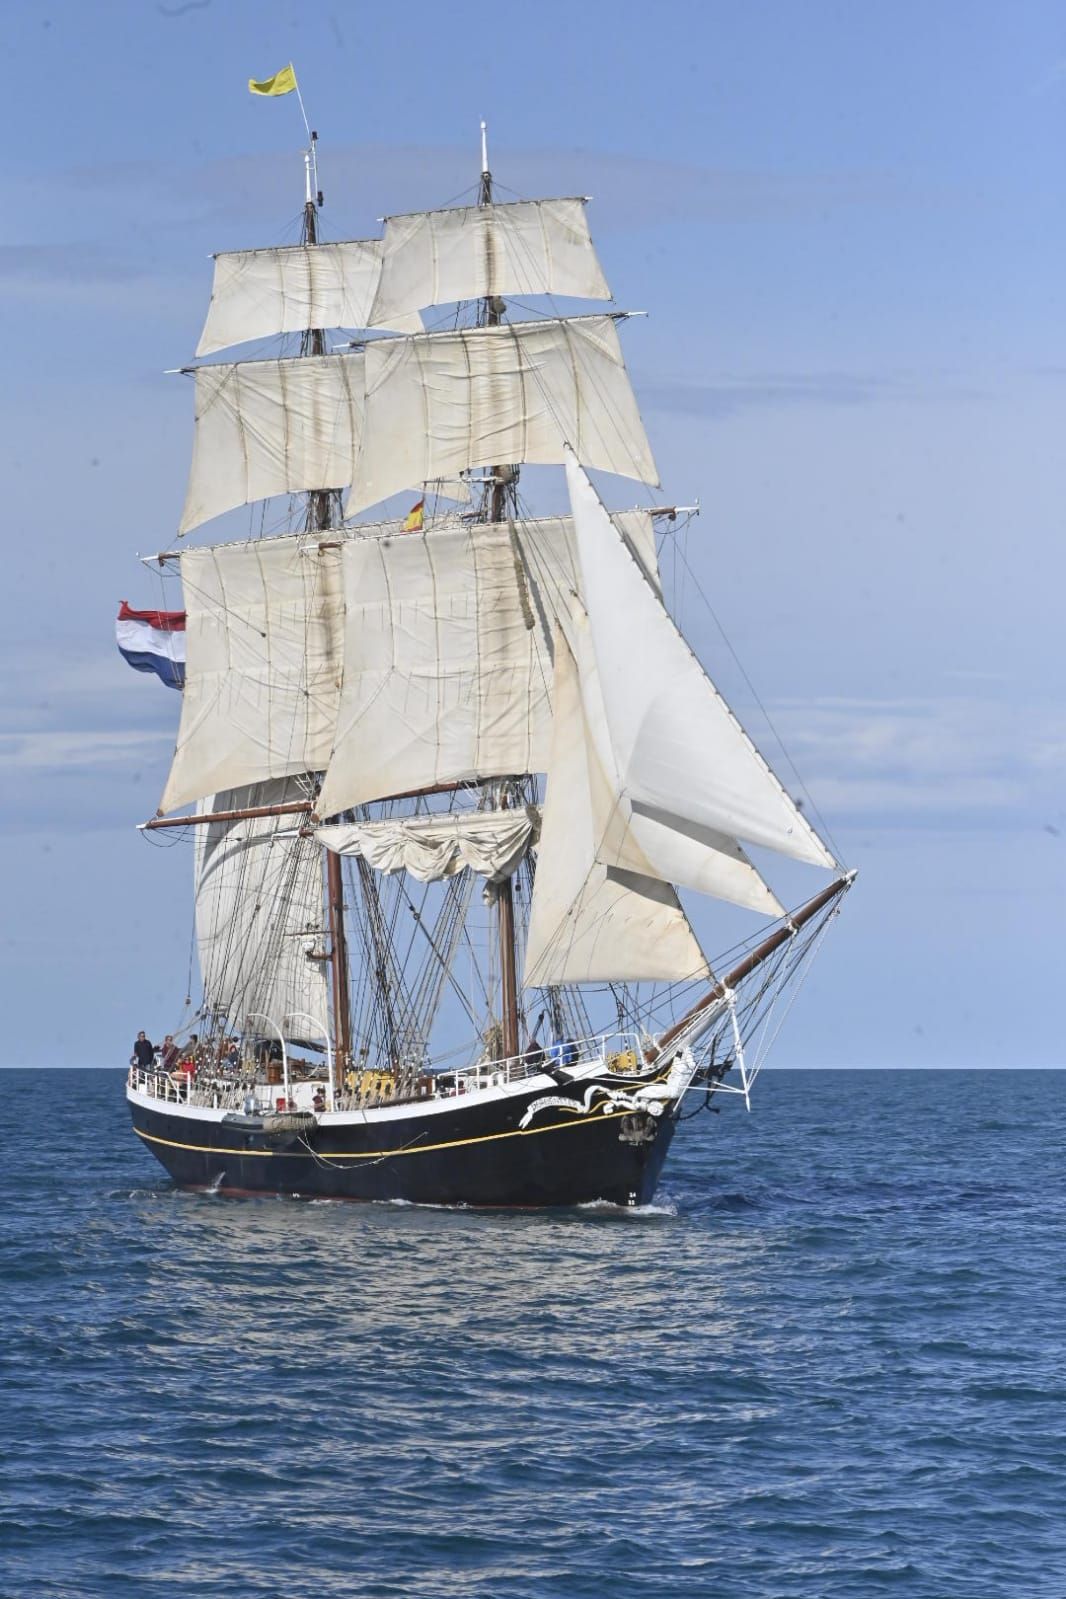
x=153, y=641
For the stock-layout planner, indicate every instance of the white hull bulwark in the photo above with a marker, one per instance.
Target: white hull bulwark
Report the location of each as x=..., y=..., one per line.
x=577, y=1135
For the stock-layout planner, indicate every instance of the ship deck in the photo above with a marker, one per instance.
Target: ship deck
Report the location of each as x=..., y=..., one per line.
x=257, y=1089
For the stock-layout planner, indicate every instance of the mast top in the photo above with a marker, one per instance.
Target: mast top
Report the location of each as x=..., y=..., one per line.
x=485, y=194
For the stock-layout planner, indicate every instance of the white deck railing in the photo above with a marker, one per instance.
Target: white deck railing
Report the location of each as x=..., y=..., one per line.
x=210, y=1088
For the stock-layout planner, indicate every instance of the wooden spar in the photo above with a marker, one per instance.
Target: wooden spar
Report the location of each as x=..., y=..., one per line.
x=342, y=1022
x=319, y=500
x=751, y=961
x=294, y=809
x=319, y=518
x=424, y=793
x=493, y=310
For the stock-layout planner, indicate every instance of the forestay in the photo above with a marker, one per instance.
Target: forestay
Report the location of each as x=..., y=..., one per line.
x=490, y=843
x=678, y=751
x=264, y=633
x=273, y=427
x=440, y=403
x=288, y=289
x=473, y=252
x=447, y=653
x=588, y=922
x=259, y=915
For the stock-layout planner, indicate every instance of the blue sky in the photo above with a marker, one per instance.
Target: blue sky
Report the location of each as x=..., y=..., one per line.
x=847, y=224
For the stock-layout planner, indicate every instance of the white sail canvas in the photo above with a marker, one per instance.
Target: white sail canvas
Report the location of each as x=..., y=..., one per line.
x=259, y=914
x=589, y=923
x=490, y=843
x=470, y=252
x=288, y=289
x=444, y=681
x=637, y=838
x=264, y=632
x=273, y=427
x=448, y=652
x=440, y=403
x=678, y=748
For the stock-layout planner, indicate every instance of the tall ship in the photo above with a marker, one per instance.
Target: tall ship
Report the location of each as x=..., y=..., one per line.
x=443, y=776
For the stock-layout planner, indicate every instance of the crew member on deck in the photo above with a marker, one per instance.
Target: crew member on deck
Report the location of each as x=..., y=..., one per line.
x=143, y=1052
x=168, y=1054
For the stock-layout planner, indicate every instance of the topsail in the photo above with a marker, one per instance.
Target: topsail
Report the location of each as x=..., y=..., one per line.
x=483, y=251
x=272, y=427
x=439, y=403
x=259, y=293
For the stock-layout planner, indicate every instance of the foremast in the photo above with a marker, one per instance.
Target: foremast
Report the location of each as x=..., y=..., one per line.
x=324, y=512
x=500, y=503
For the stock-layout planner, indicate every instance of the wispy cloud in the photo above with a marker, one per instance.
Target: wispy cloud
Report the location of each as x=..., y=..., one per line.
x=731, y=395
x=367, y=179
x=77, y=750
x=930, y=761
x=84, y=271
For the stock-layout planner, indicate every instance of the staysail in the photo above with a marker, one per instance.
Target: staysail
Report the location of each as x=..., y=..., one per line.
x=588, y=922
x=652, y=781
x=636, y=837
x=680, y=752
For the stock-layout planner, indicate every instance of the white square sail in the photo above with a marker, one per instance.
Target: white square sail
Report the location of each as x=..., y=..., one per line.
x=440, y=403
x=473, y=252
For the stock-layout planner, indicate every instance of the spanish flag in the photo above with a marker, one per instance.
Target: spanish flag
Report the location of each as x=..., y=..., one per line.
x=413, y=519
x=283, y=82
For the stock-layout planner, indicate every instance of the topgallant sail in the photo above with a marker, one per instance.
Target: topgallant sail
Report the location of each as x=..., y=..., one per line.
x=448, y=771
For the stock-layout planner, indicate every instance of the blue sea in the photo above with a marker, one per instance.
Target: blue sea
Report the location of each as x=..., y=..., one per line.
x=828, y=1362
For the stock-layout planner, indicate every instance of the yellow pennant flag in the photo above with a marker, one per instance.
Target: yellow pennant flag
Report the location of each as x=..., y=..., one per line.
x=283, y=82
x=413, y=520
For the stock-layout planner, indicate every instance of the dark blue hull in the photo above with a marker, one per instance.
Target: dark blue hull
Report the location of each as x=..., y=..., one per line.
x=472, y=1155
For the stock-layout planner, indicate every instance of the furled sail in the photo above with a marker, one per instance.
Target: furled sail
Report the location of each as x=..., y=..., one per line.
x=259, y=916
x=439, y=403
x=678, y=750
x=472, y=252
x=273, y=427
x=491, y=843
x=264, y=632
x=259, y=293
x=447, y=653
x=588, y=922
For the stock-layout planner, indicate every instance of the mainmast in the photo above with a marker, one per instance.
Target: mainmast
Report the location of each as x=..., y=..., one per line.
x=501, y=497
x=320, y=506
